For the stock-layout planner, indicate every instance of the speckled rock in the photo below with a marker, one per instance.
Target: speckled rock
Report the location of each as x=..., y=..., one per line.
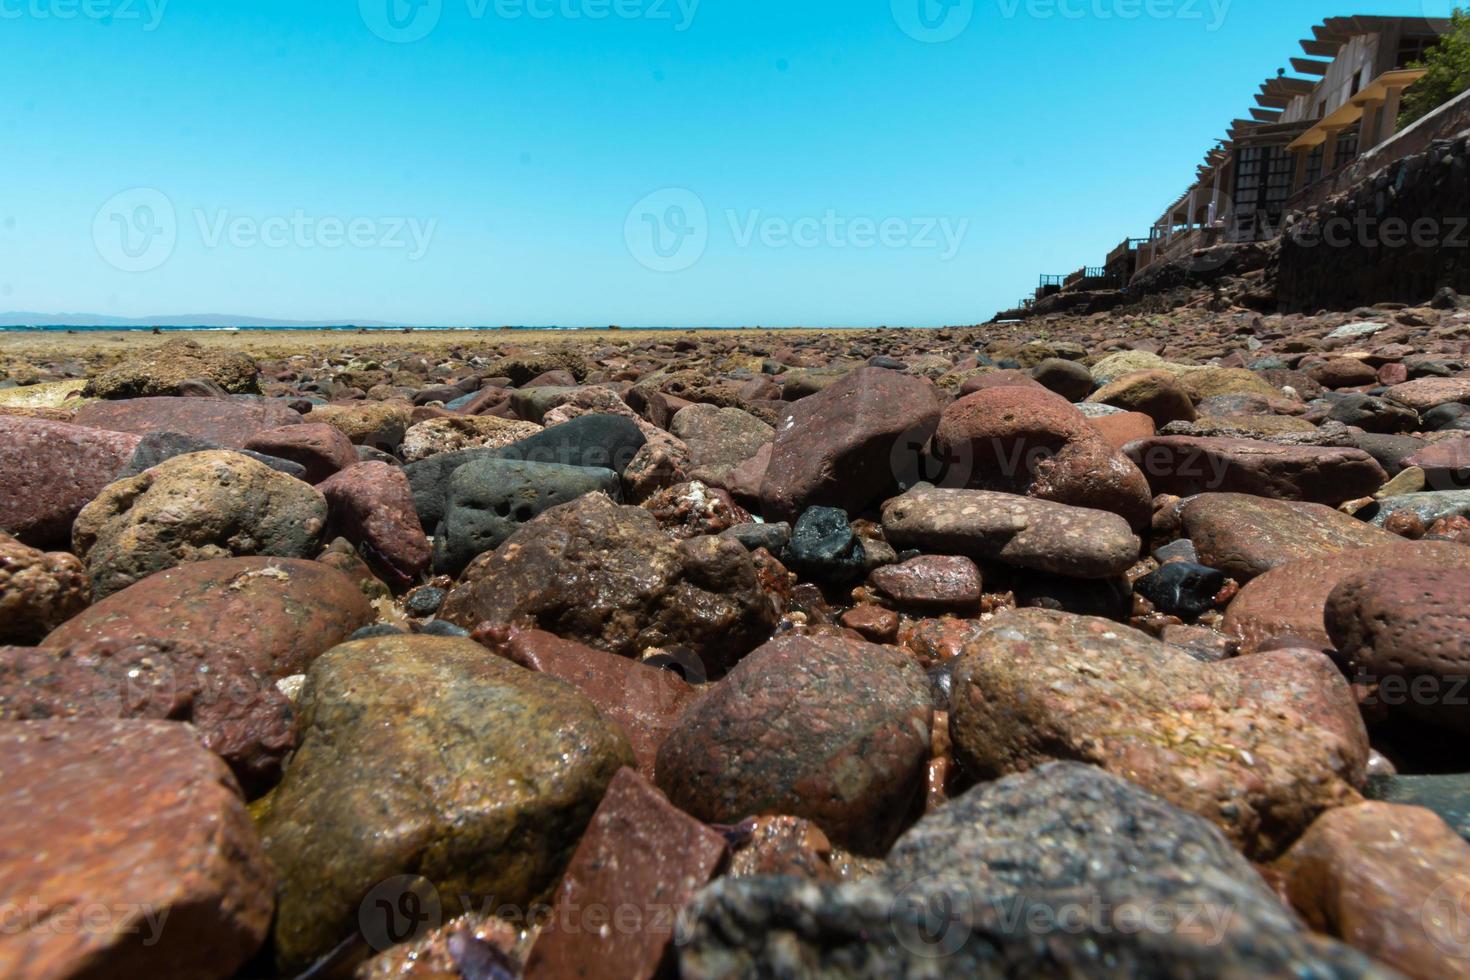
x=850, y=445
x=1033, y=534
x=152, y=867
x=170, y=370
x=1407, y=630
x=319, y=449
x=606, y=575
x=689, y=510
x=1289, y=601
x=380, y=425
x=429, y=757
x=1429, y=506
x=1225, y=741
x=49, y=471
x=1245, y=536
x=640, y=858
x=830, y=729
x=1036, y=444
x=930, y=582
x=1427, y=393
x=1446, y=465
x=1391, y=881
x=160, y=447
x=371, y=505
x=195, y=508
x=448, y=435
x=1065, y=871
x=277, y=612
x=230, y=422
x=720, y=438
x=1186, y=465
x=38, y=591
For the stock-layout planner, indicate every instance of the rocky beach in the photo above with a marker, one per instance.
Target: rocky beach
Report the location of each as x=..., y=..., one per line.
x=1128, y=643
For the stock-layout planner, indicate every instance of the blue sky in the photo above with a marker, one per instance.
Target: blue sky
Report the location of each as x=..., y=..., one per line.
x=587, y=162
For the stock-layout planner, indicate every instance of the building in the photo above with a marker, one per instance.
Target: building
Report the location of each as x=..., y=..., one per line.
x=1342, y=101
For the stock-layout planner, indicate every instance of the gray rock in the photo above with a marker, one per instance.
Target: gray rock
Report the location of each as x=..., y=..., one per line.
x=772, y=537
x=1428, y=507
x=158, y=447
x=1448, y=796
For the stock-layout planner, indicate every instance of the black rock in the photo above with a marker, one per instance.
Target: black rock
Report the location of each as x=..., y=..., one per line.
x=424, y=601
x=1066, y=378
x=372, y=454
x=606, y=442
x=1181, y=550
x=1390, y=451
x=884, y=361
x=1443, y=417
x=824, y=547
x=159, y=447
x=439, y=627
x=772, y=537
x=377, y=629
x=1374, y=414
x=1182, y=589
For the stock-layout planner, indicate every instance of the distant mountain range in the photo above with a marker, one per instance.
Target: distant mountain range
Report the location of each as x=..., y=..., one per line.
x=187, y=320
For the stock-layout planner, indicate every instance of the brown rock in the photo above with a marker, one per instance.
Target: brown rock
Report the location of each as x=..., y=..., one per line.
x=49, y=471
x=1124, y=427
x=1034, y=443
x=689, y=510
x=849, y=445
x=874, y=623
x=1389, y=880
x=228, y=422
x=930, y=582
x=276, y=612
x=1226, y=742
x=1446, y=465
x=1245, y=536
x=1185, y=465
x=380, y=425
x=639, y=863
x=1290, y=600
x=320, y=448
x=1343, y=372
x=175, y=369
x=38, y=591
x=371, y=505
x=151, y=865
x=1157, y=394
x=787, y=847
x=934, y=641
x=644, y=701
x=1000, y=379
x=1427, y=393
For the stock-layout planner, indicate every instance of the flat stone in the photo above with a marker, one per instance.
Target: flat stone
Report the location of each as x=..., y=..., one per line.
x=1446, y=465
x=826, y=728
x=1245, y=536
x=425, y=759
x=277, y=612
x=1037, y=875
x=1026, y=533
x=230, y=422
x=641, y=859
x=371, y=505
x=1184, y=466
x=607, y=442
x=930, y=582
x=1290, y=601
x=1260, y=745
x=1389, y=881
x=643, y=700
x=607, y=576
x=851, y=445
x=38, y=591
x=195, y=508
x=1427, y=393
x=151, y=864
x=49, y=471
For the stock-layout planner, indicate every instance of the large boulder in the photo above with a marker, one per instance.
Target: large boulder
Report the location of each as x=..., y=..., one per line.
x=228, y=422
x=49, y=471
x=827, y=728
x=851, y=444
x=127, y=853
x=1034, y=443
x=38, y=591
x=1002, y=527
x=176, y=368
x=607, y=576
x=1187, y=465
x=428, y=759
x=1245, y=536
x=1260, y=746
x=1065, y=871
x=195, y=508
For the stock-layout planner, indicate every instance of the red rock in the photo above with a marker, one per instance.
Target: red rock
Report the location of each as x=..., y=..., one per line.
x=782, y=846
x=934, y=641
x=1427, y=393
x=930, y=582
x=1291, y=600
x=371, y=505
x=49, y=471
x=873, y=623
x=1343, y=372
x=1122, y=428
x=1187, y=465
x=1034, y=443
x=1391, y=881
x=645, y=701
x=849, y=445
x=278, y=612
x=1246, y=536
x=229, y=422
x=319, y=447
x=126, y=852
x=639, y=863
x=1000, y=379
x=1446, y=464
x=1392, y=374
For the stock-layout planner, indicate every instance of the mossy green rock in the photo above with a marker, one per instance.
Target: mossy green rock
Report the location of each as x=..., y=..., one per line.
x=429, y=756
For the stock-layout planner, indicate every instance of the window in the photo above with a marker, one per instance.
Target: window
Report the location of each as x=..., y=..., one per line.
x=1263, y=179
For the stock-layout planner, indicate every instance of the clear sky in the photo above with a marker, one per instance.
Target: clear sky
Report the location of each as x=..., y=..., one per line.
x=587, y=162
